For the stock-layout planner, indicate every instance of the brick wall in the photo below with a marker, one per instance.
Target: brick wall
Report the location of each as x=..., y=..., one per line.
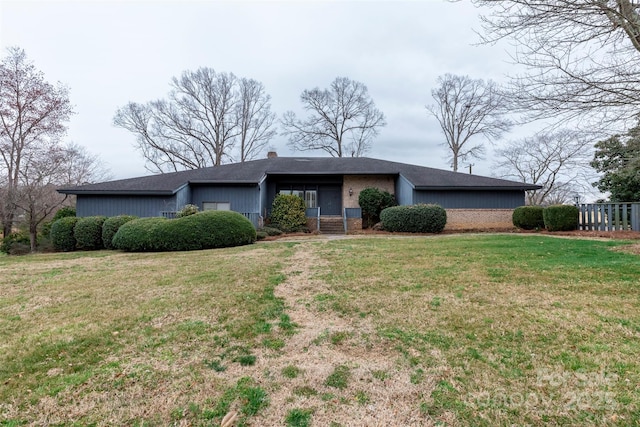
x=357, y=183
x=470, y=219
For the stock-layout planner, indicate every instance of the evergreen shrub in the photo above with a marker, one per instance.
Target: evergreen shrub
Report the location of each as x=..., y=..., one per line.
x=16, y=244
x=111, y=226
x=204, y=230
x=421, y=218
x=528, y=217
x=561, y=217
x=289, y=213
x=88, y=233
x=372, y=201
x=61, y=234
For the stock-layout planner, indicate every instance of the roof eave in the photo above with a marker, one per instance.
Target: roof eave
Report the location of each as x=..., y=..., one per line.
x=116, y=192
x=477, y=187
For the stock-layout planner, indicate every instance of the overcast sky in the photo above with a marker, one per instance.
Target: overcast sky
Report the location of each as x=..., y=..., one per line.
x=111, y=52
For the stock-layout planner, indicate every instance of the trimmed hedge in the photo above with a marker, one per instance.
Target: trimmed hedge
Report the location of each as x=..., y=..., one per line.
x=204, y=230
x=289, y=213
x=528, y=217
x=561, y=217
x=61, y=234
x=111, y=226
x=88, y=233
x=414, y=219
x=63, y=212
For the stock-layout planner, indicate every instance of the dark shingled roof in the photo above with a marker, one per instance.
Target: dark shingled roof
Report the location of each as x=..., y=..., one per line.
x=253, y=172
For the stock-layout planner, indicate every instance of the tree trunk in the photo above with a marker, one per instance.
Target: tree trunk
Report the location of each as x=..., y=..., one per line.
x=33, y=237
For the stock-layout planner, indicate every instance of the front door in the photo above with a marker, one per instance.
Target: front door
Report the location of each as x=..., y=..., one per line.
x=330, y=200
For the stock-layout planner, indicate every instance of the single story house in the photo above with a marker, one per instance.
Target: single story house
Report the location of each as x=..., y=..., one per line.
x=329, y=185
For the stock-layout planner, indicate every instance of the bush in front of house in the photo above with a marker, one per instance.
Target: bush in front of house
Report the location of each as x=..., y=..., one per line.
x=187, y=210
x=420, y=218
x=289, y=213
x=372, y=201
x=204, y=230
x=528, y=217
x=88, y=233
x=61, y=234
x=111, y=226
x=561, y=217
x=63, y=212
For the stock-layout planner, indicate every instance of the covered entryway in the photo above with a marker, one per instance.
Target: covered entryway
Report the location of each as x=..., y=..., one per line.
x=330, y=200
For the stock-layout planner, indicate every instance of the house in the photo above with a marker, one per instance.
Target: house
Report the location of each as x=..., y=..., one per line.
x=330, y=187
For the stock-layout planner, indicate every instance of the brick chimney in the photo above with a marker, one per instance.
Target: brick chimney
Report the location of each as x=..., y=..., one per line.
x=272, y=154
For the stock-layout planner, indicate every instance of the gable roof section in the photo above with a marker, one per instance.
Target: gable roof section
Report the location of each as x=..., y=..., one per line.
x=253, y=172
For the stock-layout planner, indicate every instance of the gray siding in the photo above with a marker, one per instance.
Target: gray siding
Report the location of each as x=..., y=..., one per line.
x=183, y=197
x=264, y=193
x=468, y=199
x=404, y=191
x=142, y=206
x=244, y=199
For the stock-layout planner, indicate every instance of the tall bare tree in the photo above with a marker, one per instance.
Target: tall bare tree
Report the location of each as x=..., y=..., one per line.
x=466, y=108
x=33, y=116
x=343, y=120
x=206, y=117
x=581, y=57
x=255, y=119
x=558, y=161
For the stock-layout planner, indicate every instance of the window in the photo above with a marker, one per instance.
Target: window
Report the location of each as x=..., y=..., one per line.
x=310, y=197
x=216, y=206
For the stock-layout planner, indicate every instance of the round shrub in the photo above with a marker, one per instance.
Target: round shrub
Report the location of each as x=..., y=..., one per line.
x=204, y=230
x=88, y=233
x=63, y=212
x=414, y=219
x=61, y=234
x=561, y=217
x=372, y=201
x=111, y=226
x=528, y=217
x=261, y=235
x=289, y=213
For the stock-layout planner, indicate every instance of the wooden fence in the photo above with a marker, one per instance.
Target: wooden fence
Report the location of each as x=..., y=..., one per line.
x=609, y=216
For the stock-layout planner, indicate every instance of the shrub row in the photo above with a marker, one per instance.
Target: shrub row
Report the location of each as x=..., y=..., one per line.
x=204, y=230
x=86, y=233
x=553, y=218
x=414, y=219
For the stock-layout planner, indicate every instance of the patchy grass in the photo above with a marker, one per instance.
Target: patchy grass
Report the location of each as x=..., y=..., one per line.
x=451, y=330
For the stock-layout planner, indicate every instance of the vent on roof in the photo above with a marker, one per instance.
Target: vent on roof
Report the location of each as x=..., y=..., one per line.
x=271, y=154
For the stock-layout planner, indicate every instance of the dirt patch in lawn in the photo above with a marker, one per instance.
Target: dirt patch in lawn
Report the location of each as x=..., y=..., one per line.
x=377, y=388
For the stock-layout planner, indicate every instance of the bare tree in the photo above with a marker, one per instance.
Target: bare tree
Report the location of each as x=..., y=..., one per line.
x=466, y=108
x=557, y=161
x=206, y=116
x=581, y=57
x=33, y=114
x=255, y=119
x=43, y=171
x=343, y=120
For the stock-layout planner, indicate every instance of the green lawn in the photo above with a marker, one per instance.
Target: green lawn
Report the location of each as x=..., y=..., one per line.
x=446, y=330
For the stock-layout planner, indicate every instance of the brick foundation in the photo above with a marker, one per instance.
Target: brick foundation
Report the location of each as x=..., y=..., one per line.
x=478, y=219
